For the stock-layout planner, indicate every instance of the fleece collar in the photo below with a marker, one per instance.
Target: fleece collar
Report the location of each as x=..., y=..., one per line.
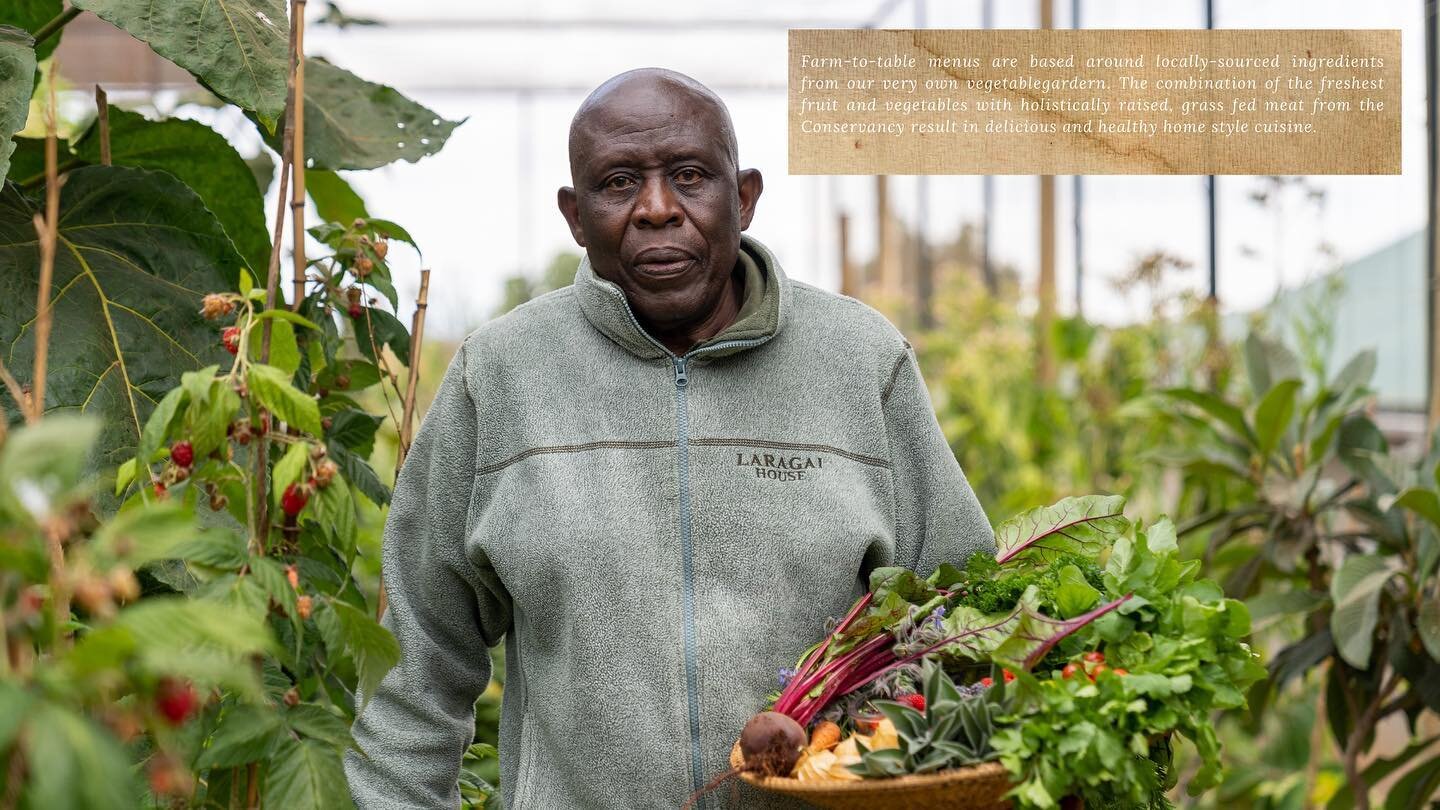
x=762, y=316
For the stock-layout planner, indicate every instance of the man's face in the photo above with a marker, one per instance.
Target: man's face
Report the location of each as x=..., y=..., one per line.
x=657, y=203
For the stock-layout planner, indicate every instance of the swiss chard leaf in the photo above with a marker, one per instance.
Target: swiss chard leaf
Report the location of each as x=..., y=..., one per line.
x=1081, y=525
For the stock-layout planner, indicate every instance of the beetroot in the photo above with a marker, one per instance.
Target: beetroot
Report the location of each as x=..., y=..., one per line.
x=770, y=745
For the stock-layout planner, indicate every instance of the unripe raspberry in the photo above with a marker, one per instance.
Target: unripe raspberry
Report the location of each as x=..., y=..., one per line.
x=215, y=306
x=325, y=472
x=381, y=248
x=363, y=266
x=291, y=697
x=93, y=595
x=292, y=576
x=124, y=585
x=303, y=606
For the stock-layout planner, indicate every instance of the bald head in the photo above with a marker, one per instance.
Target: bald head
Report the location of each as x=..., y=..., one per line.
x=653, y=89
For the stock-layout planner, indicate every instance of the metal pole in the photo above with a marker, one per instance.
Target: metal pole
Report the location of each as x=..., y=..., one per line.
x=1214, y=288
x=1432, y=243
x=924, y=272
x=1079, y=200
x=987, y=185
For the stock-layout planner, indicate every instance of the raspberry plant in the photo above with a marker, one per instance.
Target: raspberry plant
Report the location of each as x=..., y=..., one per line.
x=182, y=466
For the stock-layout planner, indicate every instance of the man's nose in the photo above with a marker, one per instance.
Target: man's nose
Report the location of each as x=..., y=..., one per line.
x=657, y=206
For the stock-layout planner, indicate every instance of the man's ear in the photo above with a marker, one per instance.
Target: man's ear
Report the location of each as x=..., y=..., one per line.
x=570, y=209
x=750, y=184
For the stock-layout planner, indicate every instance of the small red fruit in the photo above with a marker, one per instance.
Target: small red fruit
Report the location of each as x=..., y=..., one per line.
x=182, y=453
x=987, y=681
x=303, y=606
x=176, y=700
x=160, y=492
x=293, y=500
x=356, y=311
x=1095, y=657
x=1098, y=670
x=230, y=336
x=915, y=701
x=1009, y=676
x=1069, y=671
x=1120, y=671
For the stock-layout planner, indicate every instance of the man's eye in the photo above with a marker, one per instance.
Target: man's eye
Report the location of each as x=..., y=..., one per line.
x=689, y=176
x=619, y=181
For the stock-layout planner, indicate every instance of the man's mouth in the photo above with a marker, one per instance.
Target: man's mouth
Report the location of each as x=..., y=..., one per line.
x=663, y=262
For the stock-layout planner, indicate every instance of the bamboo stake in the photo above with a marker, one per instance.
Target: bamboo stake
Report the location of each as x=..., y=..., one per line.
x=297, y=151
x=102, y=110
x=272, y=290
x=47, y=228
x=406, y=430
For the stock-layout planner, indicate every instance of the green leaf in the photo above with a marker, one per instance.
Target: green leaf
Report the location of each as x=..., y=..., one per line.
x=245, y=734
x=1080, y=525
x=1356, y=590
x=144, y=533
x=346, y=628
x=1218, y=409
x=335, y=510
x=284, y=350
x=1423, y=502
x=1073, y=594
x=376, y=328
x=354, y=124
x=306, y=775
x=287, y=315
x=1428, y=623
x=43, y=466
x=319, y=723
x=161, y=423
x=271, y=388
x=335, y=200
x=29, y=16
x=289, y=468
x=200, y=158
x=137, y=251
x=1357, y=373
x=83, y=765
x=354, y=429
x=1267, y=362
x=359, y=472
x=238, y=49
x=1273, y=414
x=17, y=75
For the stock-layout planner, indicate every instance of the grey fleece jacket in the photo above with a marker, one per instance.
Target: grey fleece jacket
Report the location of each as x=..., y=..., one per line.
x=654, y=537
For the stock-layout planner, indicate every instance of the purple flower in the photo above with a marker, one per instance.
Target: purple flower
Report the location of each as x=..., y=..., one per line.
x=785, y=674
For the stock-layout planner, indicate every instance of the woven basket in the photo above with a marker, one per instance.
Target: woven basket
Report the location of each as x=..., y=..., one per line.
x=978, y=787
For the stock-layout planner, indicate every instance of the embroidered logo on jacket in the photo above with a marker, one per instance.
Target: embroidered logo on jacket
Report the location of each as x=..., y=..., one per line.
x=778, y=467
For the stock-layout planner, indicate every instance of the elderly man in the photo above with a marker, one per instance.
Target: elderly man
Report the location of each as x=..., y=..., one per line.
x=655, y=485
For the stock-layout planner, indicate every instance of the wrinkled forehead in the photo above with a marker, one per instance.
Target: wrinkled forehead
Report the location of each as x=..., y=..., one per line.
x=652, y=119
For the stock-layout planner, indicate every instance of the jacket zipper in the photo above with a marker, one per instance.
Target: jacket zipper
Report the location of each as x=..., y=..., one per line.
x=682, y=443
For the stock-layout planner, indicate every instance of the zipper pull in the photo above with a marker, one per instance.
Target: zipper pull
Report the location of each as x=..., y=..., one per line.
x=681, y=378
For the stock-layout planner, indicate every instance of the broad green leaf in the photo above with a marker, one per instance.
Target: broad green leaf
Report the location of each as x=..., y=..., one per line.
x=200, y=158
x=1356, y=590
x=347, y=629
x=386, y=229
x=1344, y=799
x=1423, y=502
x=306, y=775
x=1217, y=408
x=1416, y=788
x=359, y=472
x=1356, y=373
x=17, y=76
x=1073, y=525
x=284, y=350
x=245, y=734
x=147, y=532
x=335, y=199
x=236, y=48
x=319, y=723
x=1073, y=594
x=1428, y=623
x=289, y=468
x=161, y=423
x=210, y=423
x=125, y=475
x=1267, y=362
x=287, y=315
x=354, y=124
x=1273, y=414
x=271, y=388
x=376, y=329
x=214, y=548
x=43, y=466
x=83, y=765
x=335, y=510
x=15, y=704
x=137, y=251
x=354, y=429
x=29, y=16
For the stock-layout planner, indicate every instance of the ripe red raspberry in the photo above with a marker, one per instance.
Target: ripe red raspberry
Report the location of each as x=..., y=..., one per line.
x=1009, y=676
x=182, y=453
x=356, y=310
x=176, y=700
x=230, y=336
x=915, y=701
x=293, y=500
x=987, y=681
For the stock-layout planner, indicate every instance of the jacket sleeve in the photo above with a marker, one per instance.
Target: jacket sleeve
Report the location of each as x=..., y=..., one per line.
x=938, y=519
x=444, y=610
